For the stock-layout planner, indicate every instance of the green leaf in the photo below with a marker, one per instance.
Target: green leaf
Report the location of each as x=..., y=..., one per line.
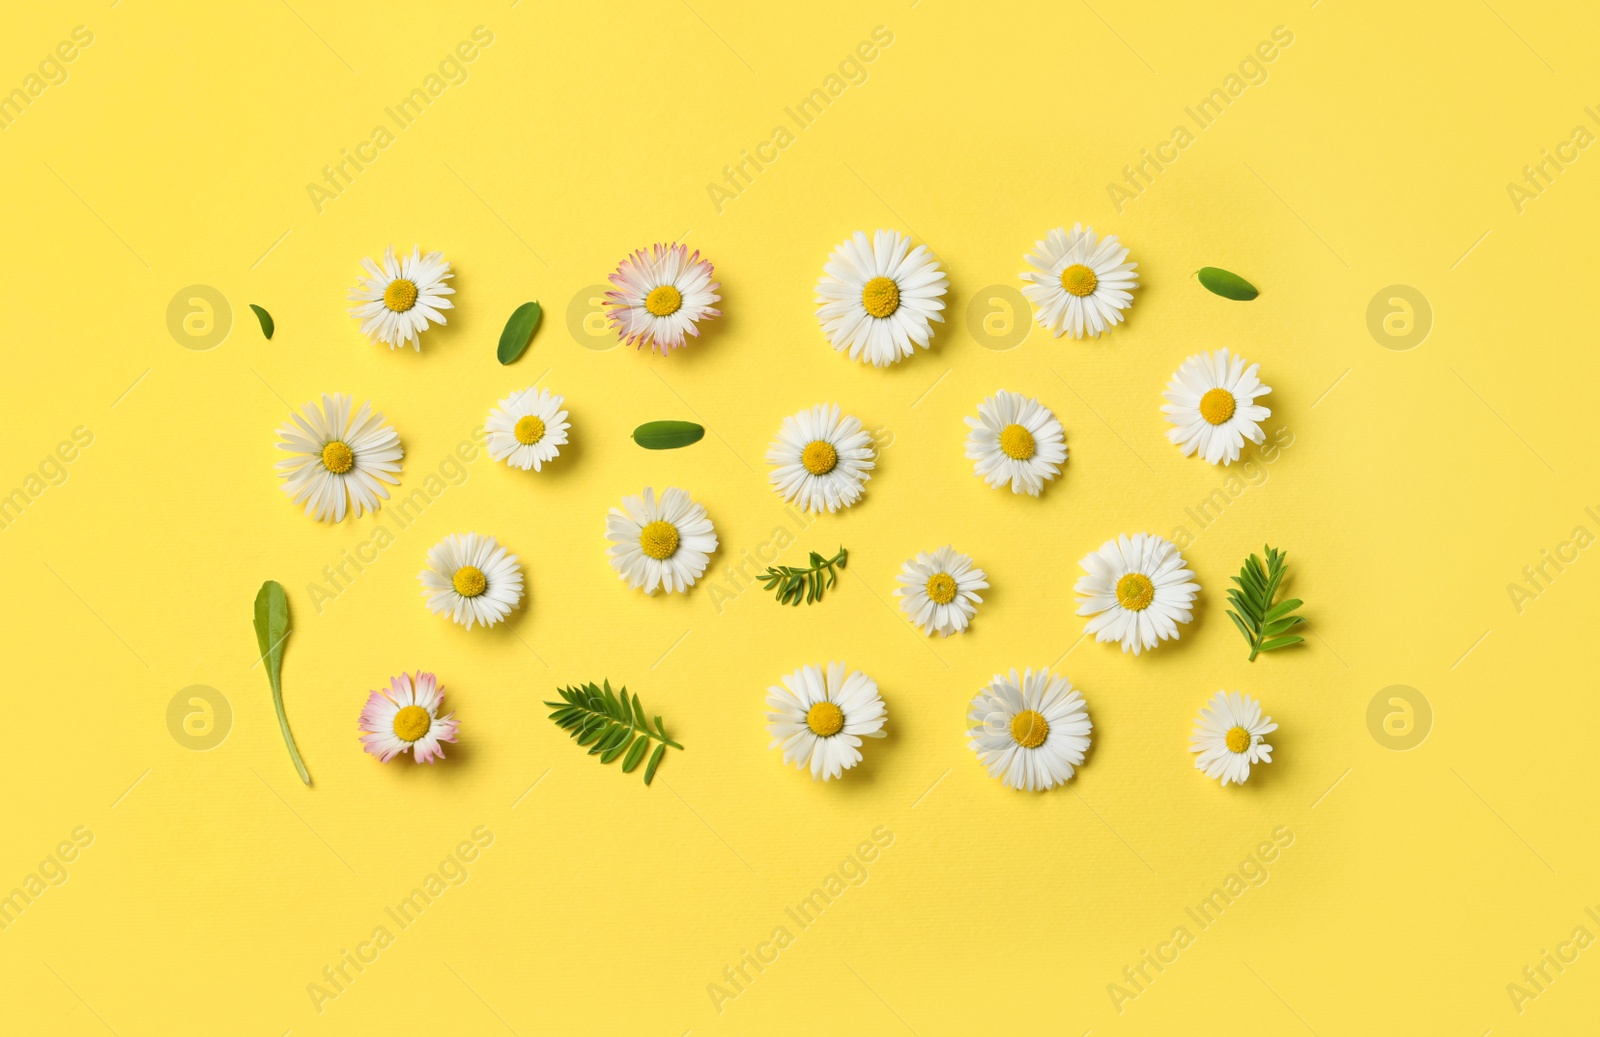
x=272, y=630
x=611, y=725
x=1225, y=283
x=1260, y=622
x=1283, y=608
x=267, y=327
x=667, y=435
x=519, y=329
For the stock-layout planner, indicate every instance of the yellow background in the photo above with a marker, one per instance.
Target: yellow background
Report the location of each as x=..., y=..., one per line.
x=1418, y=485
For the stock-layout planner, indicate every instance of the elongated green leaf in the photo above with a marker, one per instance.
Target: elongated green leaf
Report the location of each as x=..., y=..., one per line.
x=667, y=435
x=272, y=631
x=1282, y=642
x=519, y=329
x=1225, y=283
x=635, y=753
x=1283, y=608
x=267, y=327
x=655, y=761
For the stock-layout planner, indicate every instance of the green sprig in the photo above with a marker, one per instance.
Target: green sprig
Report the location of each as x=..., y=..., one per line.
x=610, y=725
x=1262, y=623
x=793, y=585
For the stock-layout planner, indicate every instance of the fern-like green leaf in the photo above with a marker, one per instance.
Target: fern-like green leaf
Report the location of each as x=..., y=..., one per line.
x=791, y=586
x=1263, y=624
x=610, y=725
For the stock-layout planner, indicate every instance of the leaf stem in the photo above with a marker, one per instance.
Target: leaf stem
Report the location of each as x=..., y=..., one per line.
x=288, y=739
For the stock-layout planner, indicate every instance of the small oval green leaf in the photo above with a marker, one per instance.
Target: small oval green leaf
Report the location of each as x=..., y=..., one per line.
x=265, y=318
x=1226, y=284
x=518, y=331
x=667, y=435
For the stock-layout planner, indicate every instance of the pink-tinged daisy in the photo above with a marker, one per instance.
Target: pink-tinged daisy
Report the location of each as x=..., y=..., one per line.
x=661, y=297
x=406, y=719
x=399, y=299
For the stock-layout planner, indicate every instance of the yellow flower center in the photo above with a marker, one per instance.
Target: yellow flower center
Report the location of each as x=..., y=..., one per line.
x=411, y=723
x=1217, y=406
x=1029, y=729
x=825, y=719
x=663, y=301
x=880, y=296
x=1016, y=442
x=469, y=581
x=400, y=296
x=819, y=457
x=1135, y=592
x=338, y=458
x=659, y=539
x=529, y=430
x=1238, y=739
x=1079, y=280
x=942, y=588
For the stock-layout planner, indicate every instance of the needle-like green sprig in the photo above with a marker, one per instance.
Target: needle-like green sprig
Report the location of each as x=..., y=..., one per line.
x=792, y=586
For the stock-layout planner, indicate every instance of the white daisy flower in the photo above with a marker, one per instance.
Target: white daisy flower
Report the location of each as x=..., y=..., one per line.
x=661, y=297
x=527, y=429
x=406, y=719
x=1138, y=591
x=1211, y=404
x=340, y=461
x=471, y=579
x=1030, y=731
x=1230, y=736
x=819, y=719
x=877, y=298
x=660, y=543
x=400, y=298
x=939, y=591
x=1015, y=439
x=1080, y=284
x=820, y=459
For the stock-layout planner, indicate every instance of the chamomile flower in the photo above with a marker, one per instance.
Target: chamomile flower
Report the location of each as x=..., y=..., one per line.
x=662, y=296
x=471, y=579
x=401, y=297
x=1211, y=403
x=1138, y=590
x=820, y=718
x=821, y=458
x=1230, y=736
x=340, y=461
x=406, y=719
x=1015, y=439
x=663, y=543
x=527, y=429
x=1080, y=284
x=939, y=590
x=876, y=298
x=1030, y=731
